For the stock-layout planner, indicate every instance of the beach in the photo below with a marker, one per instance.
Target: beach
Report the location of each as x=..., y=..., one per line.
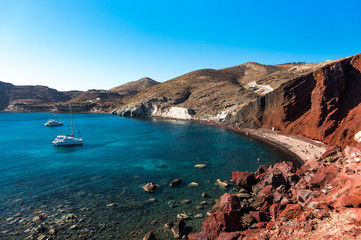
x=304, y=148
x=298, y=147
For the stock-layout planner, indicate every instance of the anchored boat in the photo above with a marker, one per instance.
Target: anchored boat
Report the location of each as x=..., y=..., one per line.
x=68, y=140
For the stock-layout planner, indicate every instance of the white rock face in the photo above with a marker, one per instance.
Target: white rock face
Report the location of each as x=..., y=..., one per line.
x=358, y=137
x=259, y=88
x=178, y=113
x=219, y=117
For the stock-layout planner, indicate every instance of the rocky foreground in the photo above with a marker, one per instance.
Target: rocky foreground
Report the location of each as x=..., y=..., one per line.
x=321, y=200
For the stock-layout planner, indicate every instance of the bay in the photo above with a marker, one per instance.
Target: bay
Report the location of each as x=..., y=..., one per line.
x=100, y=183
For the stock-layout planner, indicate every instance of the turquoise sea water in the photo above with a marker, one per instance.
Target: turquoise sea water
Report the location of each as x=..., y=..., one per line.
x=95, y=191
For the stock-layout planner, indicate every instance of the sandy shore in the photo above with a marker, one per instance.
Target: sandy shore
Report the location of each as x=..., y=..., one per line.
x=304, y=148
x=298, y=147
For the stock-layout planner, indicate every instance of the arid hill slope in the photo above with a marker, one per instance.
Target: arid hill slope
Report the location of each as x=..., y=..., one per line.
x=210, y=93
x=325, y=97
x=134, y=87
x=12, y=96
x=42, y=98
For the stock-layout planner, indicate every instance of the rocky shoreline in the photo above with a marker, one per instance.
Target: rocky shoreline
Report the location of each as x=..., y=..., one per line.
x=313, y=197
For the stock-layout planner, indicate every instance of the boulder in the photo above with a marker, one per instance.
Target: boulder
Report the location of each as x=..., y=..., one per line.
x=244, y=179
x=324, y=174
x=276, y=179
x=275, y=210
x=260, y=216
x=149, y=236
x=266, y=194
x=258, y=187
x=178, y=228
x=291, y=211
x=286, y=168
x=150, y=187
x=220, y=222
x=352, y=199
x=175, y=182
x=303, y=196
x=226, y=203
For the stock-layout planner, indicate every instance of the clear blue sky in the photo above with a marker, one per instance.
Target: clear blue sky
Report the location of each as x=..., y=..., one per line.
x=87, y=44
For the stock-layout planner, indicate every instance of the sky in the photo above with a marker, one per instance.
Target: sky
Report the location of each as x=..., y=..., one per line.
x=100, y=44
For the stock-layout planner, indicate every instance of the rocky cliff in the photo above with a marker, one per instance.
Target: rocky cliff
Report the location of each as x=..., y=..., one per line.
x=324, y=96
x=327, y=101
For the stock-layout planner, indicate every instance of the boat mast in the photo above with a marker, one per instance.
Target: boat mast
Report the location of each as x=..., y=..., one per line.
x=71, y=120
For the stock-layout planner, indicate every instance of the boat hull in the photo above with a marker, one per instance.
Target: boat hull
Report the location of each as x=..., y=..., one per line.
x=67, y=140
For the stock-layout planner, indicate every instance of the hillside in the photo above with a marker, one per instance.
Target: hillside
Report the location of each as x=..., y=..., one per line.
x=134, y=87
x=285, y=96
x=209, y=93
x=42, y=98
x=28, y=98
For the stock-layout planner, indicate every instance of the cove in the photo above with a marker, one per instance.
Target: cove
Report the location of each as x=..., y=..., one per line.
x=95, y=191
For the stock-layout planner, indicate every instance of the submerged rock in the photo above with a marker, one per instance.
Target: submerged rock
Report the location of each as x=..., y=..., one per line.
x=193, y=184
x=149, y=236
x=182, y=216
x=221, y=183
x=178, y=228
x=201, y=165
x=150, y=187
x=175, y=182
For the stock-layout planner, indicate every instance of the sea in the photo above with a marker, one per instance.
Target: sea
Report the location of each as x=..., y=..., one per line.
x=94, y=191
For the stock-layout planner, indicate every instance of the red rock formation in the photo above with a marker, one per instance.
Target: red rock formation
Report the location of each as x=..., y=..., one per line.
x=325, y=202
x=327, y=101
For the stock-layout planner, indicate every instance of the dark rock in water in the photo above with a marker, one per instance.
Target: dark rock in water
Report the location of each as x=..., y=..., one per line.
x=204, y=195
x=175, y=182
x=150, y=187
x=178, y=228
x=149, y=236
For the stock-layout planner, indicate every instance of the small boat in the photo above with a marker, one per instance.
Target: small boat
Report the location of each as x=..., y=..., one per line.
x=53, y=122
x=68, y=140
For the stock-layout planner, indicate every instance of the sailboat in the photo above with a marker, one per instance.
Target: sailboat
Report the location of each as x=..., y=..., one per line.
x=68, y=140
x=53, y=122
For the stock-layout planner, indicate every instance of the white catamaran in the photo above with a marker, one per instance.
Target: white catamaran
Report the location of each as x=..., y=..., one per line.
x=68, y=140
x=53, y=122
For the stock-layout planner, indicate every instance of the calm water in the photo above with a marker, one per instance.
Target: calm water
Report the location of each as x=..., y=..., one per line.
x=95, y=191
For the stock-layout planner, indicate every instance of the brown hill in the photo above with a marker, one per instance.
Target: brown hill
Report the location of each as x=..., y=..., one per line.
x=210, y=93
x=14, y=97
x=134, y=87
x=325, y=97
